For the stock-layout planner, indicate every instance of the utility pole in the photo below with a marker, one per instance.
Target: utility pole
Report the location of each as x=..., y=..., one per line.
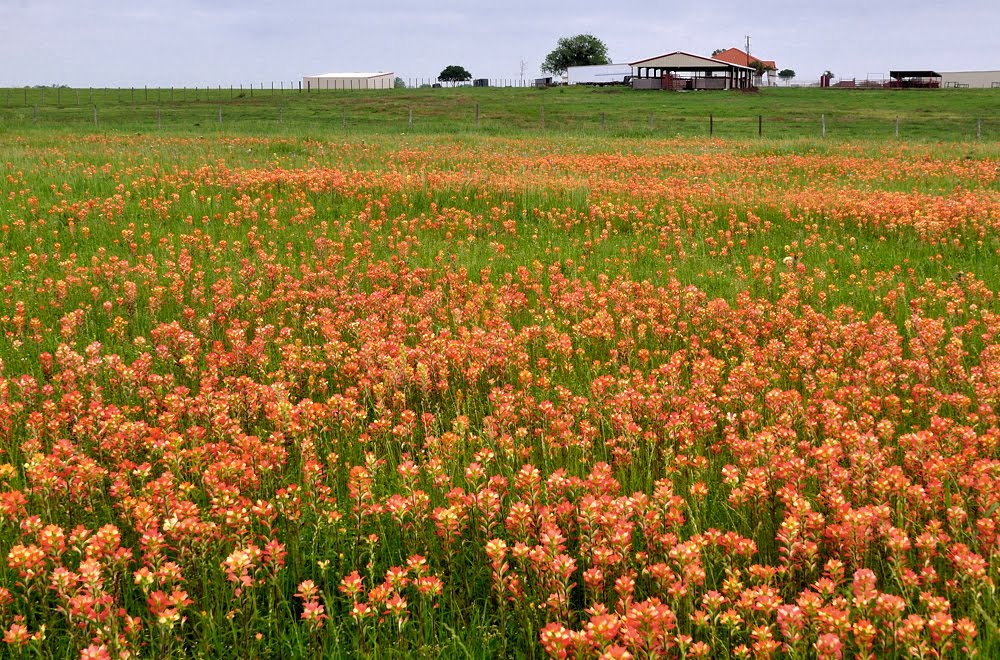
x=754, y=74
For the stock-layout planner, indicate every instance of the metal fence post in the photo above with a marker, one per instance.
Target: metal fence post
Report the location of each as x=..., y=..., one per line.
x=822, y=123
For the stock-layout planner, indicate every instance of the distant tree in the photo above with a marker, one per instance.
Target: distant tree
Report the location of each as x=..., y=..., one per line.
x=454, y=73
x=399, y=83
x=786, y=75
x=717, y=51
x=829, y=74
x=581, y=50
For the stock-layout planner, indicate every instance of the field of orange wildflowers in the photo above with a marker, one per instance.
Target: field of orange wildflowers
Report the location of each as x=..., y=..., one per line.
x=479, y=397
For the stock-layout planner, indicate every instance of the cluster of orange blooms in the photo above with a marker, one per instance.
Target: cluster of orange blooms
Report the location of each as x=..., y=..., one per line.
x=643, y=400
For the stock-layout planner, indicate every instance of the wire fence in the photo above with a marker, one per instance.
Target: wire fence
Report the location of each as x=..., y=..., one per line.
x=58, y=96
x=280, y=108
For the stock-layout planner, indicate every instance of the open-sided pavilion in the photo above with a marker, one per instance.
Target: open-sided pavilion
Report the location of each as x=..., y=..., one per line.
x=914, y=79
x=680, y=70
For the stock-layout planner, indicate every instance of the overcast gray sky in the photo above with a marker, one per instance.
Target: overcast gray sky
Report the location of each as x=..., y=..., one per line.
x=85, y=43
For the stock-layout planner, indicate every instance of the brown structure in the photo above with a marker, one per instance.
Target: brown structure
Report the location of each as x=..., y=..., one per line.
x=737, y=56
x=679, y=71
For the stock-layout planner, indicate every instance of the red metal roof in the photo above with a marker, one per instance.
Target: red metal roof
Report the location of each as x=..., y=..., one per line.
x=737, y=56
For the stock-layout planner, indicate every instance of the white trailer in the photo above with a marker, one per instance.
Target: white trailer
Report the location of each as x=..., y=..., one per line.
x=599, y=74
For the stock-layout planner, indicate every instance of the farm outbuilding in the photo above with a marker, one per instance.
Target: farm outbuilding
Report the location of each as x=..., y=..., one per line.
x=972, y=79
x=737, y=56
x=915, y=79
x=599, y=74
x=679, y=71
x=349, y=81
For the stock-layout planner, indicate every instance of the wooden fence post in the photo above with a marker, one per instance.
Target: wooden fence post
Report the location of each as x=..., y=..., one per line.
x=822, y=123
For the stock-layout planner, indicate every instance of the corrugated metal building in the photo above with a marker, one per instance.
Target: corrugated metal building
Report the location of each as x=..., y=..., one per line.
x=349, y=81
x=970, y=79
x=598, y=74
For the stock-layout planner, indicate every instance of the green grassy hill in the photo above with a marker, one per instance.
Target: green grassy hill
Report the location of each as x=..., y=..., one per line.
x=951, y=115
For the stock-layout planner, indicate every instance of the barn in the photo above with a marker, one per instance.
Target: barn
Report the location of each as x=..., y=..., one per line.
x=737, y=56
x=379, y=80
x=973, y=79
x=680, y=71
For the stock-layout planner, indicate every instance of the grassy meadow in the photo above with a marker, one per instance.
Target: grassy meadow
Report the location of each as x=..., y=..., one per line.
x=295, y=391
x=945, y=114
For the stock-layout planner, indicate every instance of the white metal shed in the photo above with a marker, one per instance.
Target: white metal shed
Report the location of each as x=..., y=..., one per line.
x=598, y=74
x=379, y=80
x=970, y=79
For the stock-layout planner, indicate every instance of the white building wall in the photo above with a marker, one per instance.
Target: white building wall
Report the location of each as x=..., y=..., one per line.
x=350, y=81
x=598, y=74
x=972, y=79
